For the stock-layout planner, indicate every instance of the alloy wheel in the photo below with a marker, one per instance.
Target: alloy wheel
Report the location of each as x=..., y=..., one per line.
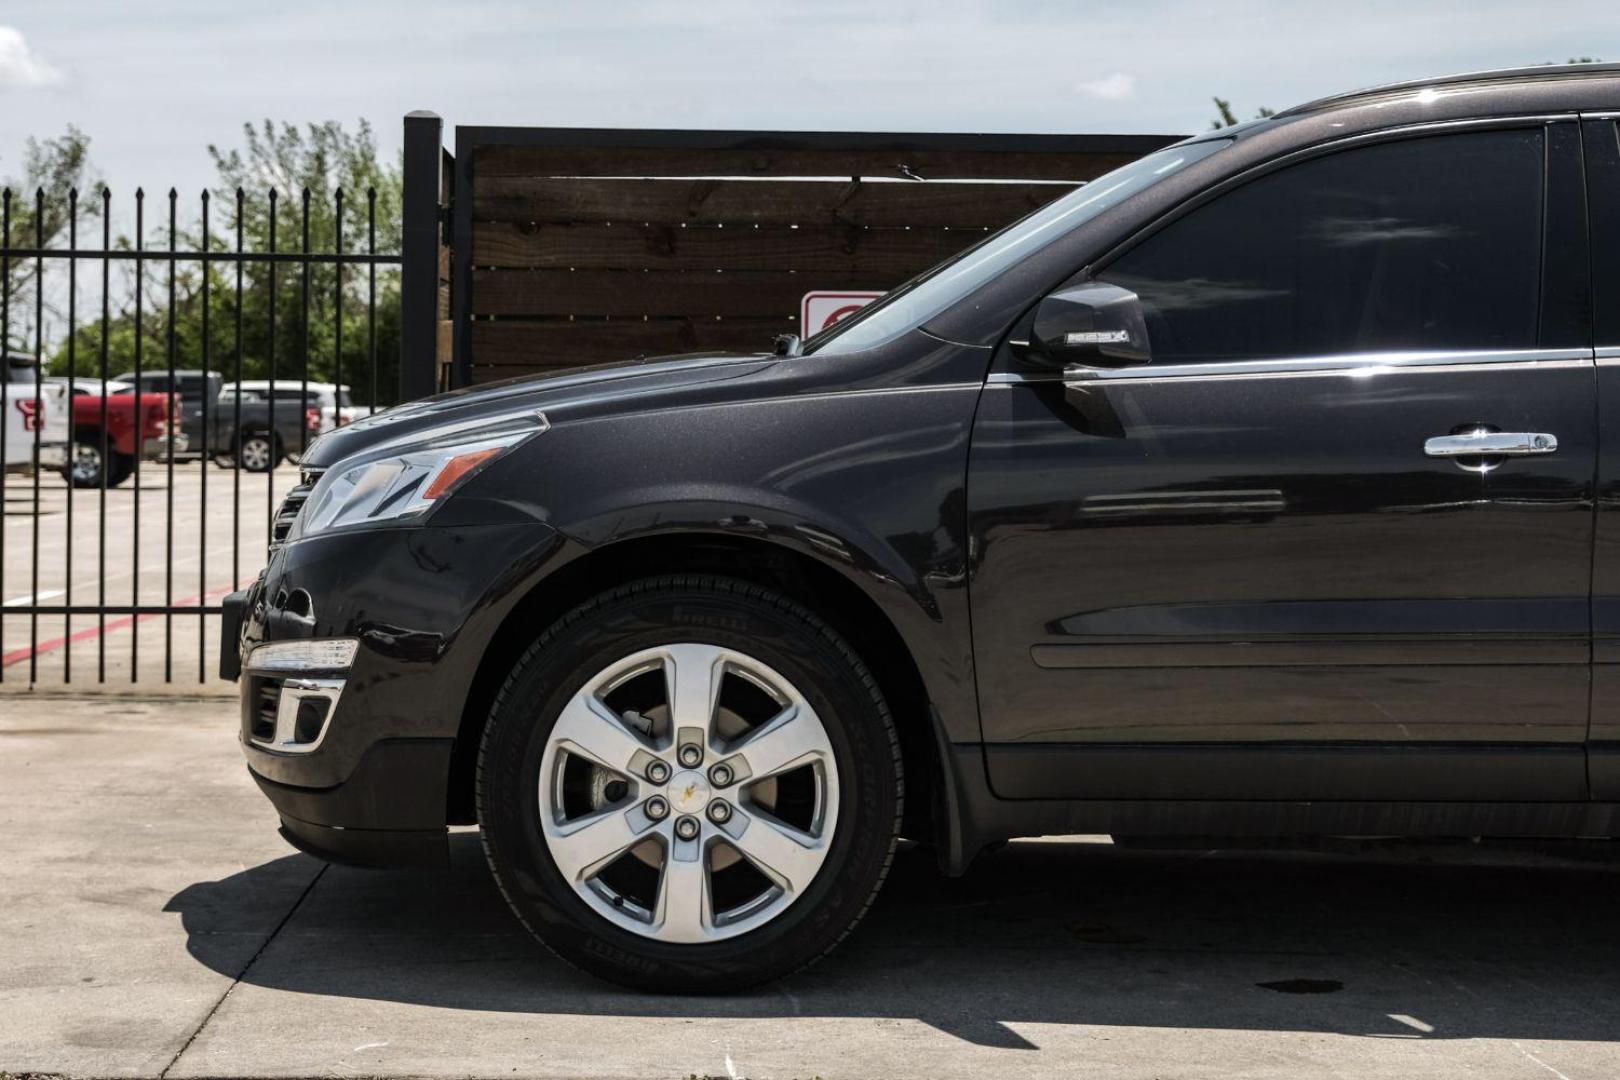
x=255, y=454
x=688, y=793
x=86, y=464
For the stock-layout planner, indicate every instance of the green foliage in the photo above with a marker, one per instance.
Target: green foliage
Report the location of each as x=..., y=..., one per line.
x=52, y=168
x=1225, y=117
x=285, y=189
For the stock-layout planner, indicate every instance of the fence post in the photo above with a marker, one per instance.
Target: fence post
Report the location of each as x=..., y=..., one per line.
x=420, y=244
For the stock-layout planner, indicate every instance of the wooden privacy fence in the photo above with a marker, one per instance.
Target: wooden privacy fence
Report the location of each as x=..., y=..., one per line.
x=557, y=247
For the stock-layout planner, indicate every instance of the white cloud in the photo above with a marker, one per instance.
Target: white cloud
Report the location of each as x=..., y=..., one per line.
x=20, y=66
x=1116, y=86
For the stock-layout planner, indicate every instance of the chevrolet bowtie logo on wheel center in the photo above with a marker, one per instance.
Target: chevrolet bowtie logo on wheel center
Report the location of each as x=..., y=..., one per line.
x=689, y=793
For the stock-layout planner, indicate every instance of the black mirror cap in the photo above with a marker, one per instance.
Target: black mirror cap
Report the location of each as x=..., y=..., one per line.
x=1096, y=324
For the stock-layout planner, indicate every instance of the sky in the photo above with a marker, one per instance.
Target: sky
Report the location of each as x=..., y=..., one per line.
x=154, y=82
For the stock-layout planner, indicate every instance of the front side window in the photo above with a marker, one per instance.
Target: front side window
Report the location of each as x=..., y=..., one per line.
x=1424, y=243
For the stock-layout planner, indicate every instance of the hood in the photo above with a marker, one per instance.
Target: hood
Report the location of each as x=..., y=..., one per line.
x=564, y=389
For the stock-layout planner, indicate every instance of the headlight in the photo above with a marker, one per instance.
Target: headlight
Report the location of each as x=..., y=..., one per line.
x=404, y=484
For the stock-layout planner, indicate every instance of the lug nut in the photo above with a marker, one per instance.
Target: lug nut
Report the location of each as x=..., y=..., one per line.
x=687, y=828
x=720, y=775
x=658, y=772
x=719, y=812
x=656, y=808
x=691, y=755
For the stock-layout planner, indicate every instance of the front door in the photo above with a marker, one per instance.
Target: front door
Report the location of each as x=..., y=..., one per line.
x=1254, y=568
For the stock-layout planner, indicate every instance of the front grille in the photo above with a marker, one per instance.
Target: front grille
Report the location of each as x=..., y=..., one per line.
x=290, y=506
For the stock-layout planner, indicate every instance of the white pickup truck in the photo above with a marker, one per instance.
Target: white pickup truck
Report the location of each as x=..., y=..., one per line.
x=25, y=414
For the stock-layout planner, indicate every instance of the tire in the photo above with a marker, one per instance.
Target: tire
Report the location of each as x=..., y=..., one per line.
x=89, y=469
x=257, y=452
x=778, y=660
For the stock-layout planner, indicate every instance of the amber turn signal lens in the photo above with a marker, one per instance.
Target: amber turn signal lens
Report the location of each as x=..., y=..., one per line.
x=456, y=468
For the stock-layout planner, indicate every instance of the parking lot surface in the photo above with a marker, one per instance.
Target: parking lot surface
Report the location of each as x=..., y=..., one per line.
x=153, y=924
x=215, y=544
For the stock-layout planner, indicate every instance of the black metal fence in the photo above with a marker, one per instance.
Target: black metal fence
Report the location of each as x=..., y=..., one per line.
x=525, y=250
x=138, y=364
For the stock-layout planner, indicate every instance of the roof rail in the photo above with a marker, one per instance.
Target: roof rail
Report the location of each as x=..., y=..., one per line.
x=1537, y=72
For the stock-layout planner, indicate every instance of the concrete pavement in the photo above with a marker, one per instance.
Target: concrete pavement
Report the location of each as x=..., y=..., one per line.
x=152, y=924
x=215, y=542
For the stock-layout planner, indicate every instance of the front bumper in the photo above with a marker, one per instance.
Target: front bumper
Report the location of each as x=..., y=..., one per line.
x=53, y=456
x=357, y=762
x=390, y=812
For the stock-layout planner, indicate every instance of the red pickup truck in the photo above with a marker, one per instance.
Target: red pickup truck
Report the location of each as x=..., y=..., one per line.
x=127, y=435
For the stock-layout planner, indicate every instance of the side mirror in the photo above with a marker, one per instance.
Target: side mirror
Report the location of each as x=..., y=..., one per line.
x=1095, y=325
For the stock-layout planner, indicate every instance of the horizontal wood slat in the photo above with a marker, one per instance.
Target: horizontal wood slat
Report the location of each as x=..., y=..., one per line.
x=539, y=345
x=888, y=255
x=770, y=161
x=695, y=293
x=756, y=202
x=591, y=246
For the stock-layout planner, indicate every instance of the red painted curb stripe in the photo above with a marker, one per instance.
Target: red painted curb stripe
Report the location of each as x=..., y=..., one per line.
x=17, y=656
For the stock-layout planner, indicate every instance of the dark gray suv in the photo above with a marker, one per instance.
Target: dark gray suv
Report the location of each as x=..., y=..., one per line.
x=1261, y=487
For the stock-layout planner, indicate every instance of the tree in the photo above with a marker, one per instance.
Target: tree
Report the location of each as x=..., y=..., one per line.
x=289, y=320
x=53, y=167
x=1227, y=118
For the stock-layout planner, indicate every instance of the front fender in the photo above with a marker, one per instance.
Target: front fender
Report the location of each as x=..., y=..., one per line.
x=867, y=483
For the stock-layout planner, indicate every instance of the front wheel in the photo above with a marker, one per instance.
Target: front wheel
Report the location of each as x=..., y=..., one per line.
x=689, y=784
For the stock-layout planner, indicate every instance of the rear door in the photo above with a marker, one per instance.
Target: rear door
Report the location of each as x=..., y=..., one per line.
x=1238, y=572
x=1601, y=139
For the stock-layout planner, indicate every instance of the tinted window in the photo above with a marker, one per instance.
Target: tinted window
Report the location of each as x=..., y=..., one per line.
x=1430, y=243
x=296, y=393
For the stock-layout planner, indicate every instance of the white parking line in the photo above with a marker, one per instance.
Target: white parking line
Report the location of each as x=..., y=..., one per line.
x=24, y=601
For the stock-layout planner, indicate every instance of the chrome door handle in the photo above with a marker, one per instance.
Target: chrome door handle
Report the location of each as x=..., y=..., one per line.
x=1481, y=443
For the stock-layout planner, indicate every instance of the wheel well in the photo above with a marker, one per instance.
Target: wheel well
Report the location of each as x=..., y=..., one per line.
x=823, y=590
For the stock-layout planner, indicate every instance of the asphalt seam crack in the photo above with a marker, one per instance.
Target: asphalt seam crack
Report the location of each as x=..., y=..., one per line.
x=247, y=967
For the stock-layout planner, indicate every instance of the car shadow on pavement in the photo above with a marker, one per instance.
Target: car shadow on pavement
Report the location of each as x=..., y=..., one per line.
x=1453, y=942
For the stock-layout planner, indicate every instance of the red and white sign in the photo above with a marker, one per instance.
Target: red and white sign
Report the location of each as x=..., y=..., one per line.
x=819, y=310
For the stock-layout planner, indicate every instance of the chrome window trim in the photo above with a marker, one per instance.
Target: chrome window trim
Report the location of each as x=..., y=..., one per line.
x=1608, y=355
x=1359, y=365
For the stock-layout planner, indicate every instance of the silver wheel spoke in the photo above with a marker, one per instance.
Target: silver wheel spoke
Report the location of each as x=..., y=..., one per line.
x=792, y=738
x=589, y=728
x=786, y=855
x=684, y=909
x=693, y=674
x=583, y=847
x=666, y=787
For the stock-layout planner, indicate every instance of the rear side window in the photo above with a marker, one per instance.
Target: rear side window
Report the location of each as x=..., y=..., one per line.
x=295, y=392
x=1424, y=243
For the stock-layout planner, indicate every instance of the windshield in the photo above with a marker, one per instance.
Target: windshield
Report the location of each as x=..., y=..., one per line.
x=931, y=292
